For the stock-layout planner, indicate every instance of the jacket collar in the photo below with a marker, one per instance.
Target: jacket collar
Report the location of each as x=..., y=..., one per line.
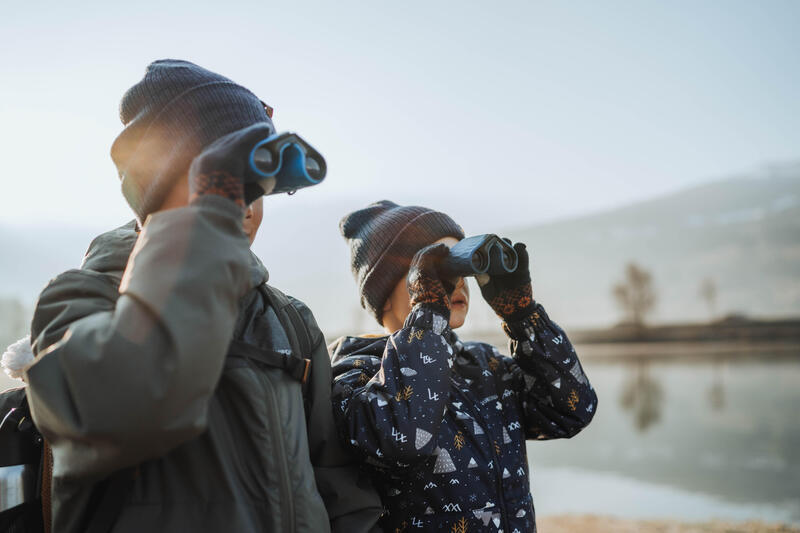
x=465, y=363
x=108, y=253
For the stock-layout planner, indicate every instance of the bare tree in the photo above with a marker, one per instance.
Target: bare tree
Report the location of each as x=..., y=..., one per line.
x=635, y=294
x=708, y=292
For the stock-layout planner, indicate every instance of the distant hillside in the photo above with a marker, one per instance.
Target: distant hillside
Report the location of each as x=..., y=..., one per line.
x=742, y=232
x=31, y=256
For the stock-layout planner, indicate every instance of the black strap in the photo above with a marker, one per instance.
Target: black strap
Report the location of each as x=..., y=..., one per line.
x=294, y=326
x=111, y=503
x=296, y=367
x=300, y=329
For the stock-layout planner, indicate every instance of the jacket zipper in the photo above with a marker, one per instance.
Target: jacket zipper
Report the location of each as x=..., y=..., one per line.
x=499, y=477
x=287, y=502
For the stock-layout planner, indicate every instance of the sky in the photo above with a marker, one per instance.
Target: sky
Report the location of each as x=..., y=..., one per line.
x=503, y=114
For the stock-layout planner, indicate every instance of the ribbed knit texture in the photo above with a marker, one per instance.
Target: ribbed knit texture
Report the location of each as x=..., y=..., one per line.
x=176, y=110
x=383, y=238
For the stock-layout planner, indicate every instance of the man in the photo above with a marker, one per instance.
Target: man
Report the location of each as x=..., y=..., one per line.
x=443, y=423
x=155, y=367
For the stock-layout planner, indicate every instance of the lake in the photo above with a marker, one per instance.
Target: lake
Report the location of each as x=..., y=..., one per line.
x=683, y=439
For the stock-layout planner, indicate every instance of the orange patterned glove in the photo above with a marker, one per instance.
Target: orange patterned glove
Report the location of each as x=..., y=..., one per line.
x=510, y=295
x=425, y=285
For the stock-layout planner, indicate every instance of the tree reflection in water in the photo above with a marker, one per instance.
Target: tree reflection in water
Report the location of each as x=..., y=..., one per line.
x=642, y=395
x=716, y=391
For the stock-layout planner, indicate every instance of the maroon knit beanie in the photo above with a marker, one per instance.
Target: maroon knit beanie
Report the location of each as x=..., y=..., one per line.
x=383, y=238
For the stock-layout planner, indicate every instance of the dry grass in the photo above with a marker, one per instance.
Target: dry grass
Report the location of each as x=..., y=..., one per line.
x=604, y=524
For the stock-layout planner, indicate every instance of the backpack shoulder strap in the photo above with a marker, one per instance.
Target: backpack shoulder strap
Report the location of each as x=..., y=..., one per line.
x=115, y=490
x=295, y=366
x=294, y=326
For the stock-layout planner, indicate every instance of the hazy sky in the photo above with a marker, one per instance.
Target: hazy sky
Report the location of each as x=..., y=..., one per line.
x=534, y=110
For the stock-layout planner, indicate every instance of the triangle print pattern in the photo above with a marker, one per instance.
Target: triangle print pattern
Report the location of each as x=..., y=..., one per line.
x=423, y=437
x=444, y=463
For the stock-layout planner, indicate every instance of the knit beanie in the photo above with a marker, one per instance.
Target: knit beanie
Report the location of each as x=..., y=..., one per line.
x=383, y=238
x=176, y=110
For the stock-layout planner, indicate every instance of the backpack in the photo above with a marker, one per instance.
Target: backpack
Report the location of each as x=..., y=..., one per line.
x=22, y=465
x=26, y=460
x=297, y=332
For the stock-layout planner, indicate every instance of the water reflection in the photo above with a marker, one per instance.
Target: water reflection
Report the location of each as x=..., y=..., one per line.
x=716, y=391
x=642, y=395
x=709, y=428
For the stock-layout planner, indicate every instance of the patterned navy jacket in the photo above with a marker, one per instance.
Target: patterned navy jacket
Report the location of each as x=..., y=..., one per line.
x=443, y=423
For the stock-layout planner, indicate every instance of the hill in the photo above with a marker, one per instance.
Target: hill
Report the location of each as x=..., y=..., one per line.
x=743, y=233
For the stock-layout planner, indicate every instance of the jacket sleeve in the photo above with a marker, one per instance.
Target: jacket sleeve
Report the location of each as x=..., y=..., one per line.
x=557, y=399
x=351, y=500
x=121, y=378
x=390, y=409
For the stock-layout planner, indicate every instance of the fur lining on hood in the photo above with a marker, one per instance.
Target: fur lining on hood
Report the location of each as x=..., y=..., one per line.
x=16, y=357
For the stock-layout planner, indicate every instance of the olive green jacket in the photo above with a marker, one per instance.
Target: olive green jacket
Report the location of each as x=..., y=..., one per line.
x=131, y=371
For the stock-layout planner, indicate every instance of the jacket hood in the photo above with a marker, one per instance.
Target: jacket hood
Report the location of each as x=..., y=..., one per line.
x=347, y=346
x=16, y=357
x=108, y=253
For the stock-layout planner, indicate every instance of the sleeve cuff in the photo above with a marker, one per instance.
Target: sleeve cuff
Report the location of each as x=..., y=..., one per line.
x=428, y=316
x=528, y=327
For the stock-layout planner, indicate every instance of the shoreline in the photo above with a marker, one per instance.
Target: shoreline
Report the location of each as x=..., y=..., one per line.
x=688, y=351
x=606, y=524
x=684, y=351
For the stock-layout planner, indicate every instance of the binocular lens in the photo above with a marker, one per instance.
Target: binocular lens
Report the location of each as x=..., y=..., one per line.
x=479, y=261
x=263, y=159
x=508, y=261
x=313, y=167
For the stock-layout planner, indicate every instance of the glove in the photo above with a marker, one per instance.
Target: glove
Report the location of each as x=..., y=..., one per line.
x=425, y=285
x=510, y=295
x=223, y=167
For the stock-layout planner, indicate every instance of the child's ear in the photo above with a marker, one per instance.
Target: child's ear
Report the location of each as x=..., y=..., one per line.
x=388, y=305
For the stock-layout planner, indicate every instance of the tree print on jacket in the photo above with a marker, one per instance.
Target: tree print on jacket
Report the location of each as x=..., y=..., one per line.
x=442, y=423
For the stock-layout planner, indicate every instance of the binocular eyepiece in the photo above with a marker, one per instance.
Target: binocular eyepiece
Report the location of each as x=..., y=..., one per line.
x=291, y=160
x=481, y=254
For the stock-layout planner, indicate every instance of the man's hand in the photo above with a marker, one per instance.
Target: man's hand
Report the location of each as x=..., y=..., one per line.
x=424, y=281
x=223, y=167
x=510, y=295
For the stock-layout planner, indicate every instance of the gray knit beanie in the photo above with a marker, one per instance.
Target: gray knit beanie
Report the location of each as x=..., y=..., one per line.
x=176, y=110
x=383, y=238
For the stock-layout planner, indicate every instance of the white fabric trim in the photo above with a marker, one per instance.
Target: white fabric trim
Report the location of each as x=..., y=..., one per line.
x=16, y=357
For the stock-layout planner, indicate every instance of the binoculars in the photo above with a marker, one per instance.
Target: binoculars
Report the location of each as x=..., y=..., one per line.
x=481, y=254
x=291, y=160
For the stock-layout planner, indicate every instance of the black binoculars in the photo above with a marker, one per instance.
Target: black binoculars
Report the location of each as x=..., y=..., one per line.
x=481, y=254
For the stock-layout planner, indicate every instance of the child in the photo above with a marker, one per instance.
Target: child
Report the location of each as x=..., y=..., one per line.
x=443, y=423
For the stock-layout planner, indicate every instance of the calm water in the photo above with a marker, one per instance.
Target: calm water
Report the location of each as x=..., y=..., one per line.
x=688, y=440
x=685, y=440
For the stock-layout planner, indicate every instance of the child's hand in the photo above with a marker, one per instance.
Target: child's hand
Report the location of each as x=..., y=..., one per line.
x=424, y=280
x=510, y=295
